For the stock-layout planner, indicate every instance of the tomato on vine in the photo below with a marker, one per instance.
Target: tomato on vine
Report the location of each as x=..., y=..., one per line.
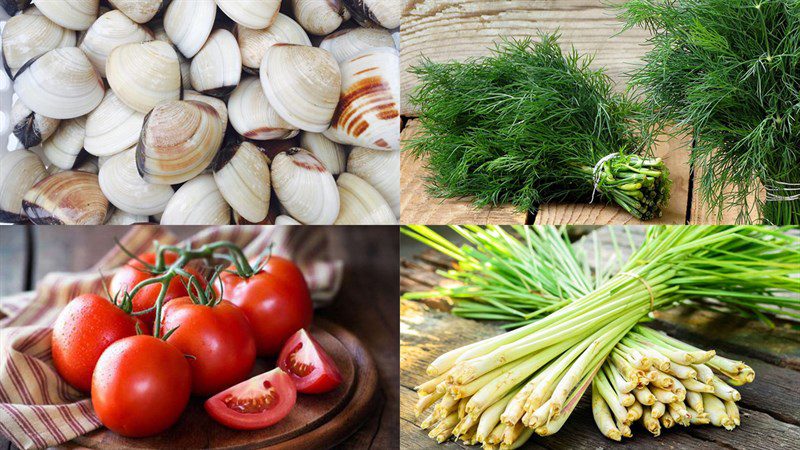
x=310, y=368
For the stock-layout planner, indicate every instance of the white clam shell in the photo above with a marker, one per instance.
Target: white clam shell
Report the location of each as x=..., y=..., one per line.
x=253, y=117
x=161, y=35
x=31, y=128
x=386, y=13
x=19, y=171
x=251, y=13
x=64, y=145
x=188, y=24
x=140, y=11
x=198, y=202
x=241, y=171
x=216, y=103
x=61, y=84
x=126, y=190
x=345, y=44
x=286, y=220
x=66, y=198
x=331, y=154
x=217, y=68
x=304, y=187
x=144, y=74
x=381, y=170
x=27, y=36
x=368, y=113
x=108, y=32
x=302, y=84
x=253, y=43
x=319, y=17
x=112, y=127
x=120, y=217
x=361, y=204
x=72, y=14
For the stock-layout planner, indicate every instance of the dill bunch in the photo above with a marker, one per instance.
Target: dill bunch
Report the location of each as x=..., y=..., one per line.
x=531, y=125
x=728, y=71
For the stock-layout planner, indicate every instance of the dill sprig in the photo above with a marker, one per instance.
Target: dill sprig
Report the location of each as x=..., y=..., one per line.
x=528, y=125
x=728, y=71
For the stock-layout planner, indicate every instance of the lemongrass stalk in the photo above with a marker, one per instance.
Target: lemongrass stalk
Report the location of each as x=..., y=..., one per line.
x=657, y=409
x=644, y=396
x=425, y=424
x=622, y=385
x=625, y=430
x=732, y=411
x=667, y=421
x=447, y=405
x=512, y=433
x=663, y=395
x=704, y=373
x=627, y=400
x=603, y=387
x=695, y=401
x=725, y=392
x=716, y=412
x=444, y=429
x=635, y=412
x=660, y=379
x=425, y=402
x=625, y=369
x=697, y=386
x=650, y=423
x=698, y=419
x=491, y=416
x=552, y=426
x=465, y=424
x=521, y=440
x=679, y=390
x=462, y=404
x=471, y=388
x=679, y=413
x=496, y=436
x=430, y=385
x=681, y=371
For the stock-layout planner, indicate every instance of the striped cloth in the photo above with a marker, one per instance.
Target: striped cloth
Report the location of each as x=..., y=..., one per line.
x=37, y=408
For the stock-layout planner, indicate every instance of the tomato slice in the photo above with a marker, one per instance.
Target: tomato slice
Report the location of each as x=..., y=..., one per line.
x=256, y=403
x=310, y=368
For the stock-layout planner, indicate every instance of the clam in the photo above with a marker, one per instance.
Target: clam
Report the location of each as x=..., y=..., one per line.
x=385, y=13
x=179, y=140
x=319, y=17
x=216, y=103
x=253, y=117
x=286, y=220
x=109, y=31
x=185, y=63
x=345, y=44
x=120, y=217
x=188, y=24
x=112, y=127
x=251, y=13
x=217, y=67
x=242, y=175
x=361, y=204
x=381, y=170
x=302, y=83
x=140, y=11
x=125, y=189
x=61, y=84
x=304, y=187
x=329, y=153
x=19, y=171
x=144, y=74
x=66, y=198
x=64, y=145
x=28, y=36
x=12, y=7
x=72, y=14
x=253, y=44
x=31, y=128
x=368, y=114
x=198, y=202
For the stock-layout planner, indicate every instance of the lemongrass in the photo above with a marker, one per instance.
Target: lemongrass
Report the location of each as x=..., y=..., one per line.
x=650, y=423
x=704, y=373
x=732, y=411
x=697, y=386
x=657, y=409
x=492, y=415
x=679, y=413
x=426, y=401
x=603, y=387
x=695, y=401
x=635, y=411
x=627, y=400
x=725, y=392
x=681, y=371
x=716, y=412
x=667, y=421
x=663, y=396
x=602, y=416
x=644, y=396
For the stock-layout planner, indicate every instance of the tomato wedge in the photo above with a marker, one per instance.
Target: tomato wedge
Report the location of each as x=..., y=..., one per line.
x=309, y=367
x=256, y=403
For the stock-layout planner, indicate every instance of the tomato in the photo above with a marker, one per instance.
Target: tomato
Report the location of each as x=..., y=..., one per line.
x=83, y=330
x=141, y=385
x=135, y=272
x=275, y=300
x=311, y=369
x=219, y=339
x=256, y=403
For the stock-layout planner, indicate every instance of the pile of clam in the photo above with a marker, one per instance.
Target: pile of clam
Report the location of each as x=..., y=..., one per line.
x=202, y=112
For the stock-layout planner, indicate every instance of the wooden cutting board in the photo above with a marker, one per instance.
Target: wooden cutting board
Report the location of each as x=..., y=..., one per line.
x=316, y=421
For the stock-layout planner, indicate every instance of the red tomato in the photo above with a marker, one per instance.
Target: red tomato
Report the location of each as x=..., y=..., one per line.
x=275, y=300
x=141, y=386
x=84, y=328
x=256, y=403
x=311, y=369
x=218, y=337
x=135, y=272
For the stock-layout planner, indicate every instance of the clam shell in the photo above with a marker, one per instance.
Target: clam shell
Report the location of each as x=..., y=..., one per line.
x=112, y=127
x=253, y=117
x=385, y=13
x=216, y=103
x=198, y=202
x=368, y=113
x=286, y=220
x=345, y=44
x=120, y=217
x=361, y=204
x=125, y=189
x=61, y=84
x=64, y=145
x=179, y=140
x=381, y=170
x=304, y=187
x=251, y=13
x=253, y=44
x=319, y=17
x=111, y=30
x=31, y=128
x=242, y=175
x=144, y=74
x=71, y=14
x=302, y=83
x=330, y=154
x=66, y=198
x=217, y=67
x=28, y=36
x=188, y=24
x=19, y=171
x=140, y=11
